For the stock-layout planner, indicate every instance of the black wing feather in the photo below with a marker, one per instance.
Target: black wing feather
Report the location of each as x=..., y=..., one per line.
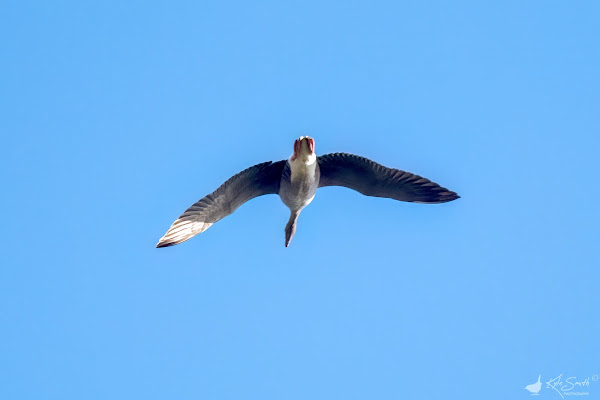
x=373, y=179
x=255, y=181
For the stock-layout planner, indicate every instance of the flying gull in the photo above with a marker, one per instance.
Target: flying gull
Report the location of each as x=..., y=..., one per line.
x=296, y=181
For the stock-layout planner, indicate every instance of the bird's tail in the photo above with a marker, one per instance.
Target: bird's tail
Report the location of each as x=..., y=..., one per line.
x=290, y=228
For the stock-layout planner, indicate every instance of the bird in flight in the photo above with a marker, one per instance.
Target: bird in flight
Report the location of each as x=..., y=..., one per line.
x=296, y=181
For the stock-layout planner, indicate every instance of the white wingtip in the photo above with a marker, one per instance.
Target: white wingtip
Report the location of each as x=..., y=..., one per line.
x=182, y=230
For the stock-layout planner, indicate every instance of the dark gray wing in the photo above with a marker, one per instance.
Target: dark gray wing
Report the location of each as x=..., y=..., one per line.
x=253, y=182
x=372, y=179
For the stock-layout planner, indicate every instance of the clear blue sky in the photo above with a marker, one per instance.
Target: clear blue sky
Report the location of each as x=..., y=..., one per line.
x=116, y=116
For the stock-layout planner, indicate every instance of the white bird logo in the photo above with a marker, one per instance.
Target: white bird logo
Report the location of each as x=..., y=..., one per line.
x=535, y=388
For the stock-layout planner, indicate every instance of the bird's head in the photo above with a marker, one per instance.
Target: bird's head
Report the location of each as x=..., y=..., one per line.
x=304, y=149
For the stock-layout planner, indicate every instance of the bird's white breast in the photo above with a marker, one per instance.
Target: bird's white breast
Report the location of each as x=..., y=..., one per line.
x=300, y=190
x=303, y=168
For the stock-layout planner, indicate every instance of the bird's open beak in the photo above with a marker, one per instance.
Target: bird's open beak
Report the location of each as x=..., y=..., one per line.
x=311, y=144
x=298, y=146
x=296, y=149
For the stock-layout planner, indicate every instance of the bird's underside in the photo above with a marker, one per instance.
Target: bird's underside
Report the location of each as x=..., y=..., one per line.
x=296, y=180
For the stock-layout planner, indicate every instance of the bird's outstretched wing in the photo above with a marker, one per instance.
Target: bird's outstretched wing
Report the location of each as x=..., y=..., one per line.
x=372, y=179
x=253, y=182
